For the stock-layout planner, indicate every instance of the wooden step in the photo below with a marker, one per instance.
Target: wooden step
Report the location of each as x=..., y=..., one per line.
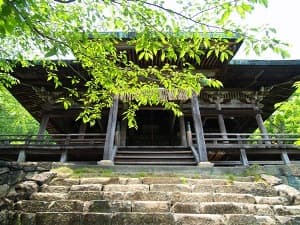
x=153, y=152
x=180, y=163
x=119, y=156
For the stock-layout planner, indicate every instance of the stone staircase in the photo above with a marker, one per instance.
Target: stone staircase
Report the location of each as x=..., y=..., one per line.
x=155, y=155
x=154, y=200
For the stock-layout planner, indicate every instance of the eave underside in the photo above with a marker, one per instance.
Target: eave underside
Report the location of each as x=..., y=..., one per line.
x=275, y=79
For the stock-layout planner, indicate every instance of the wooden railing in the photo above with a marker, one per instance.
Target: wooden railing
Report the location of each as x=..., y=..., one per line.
x=52, y=140
x=52, y=143
x=249, y=143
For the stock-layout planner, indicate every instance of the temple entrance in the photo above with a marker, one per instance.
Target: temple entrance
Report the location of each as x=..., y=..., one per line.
x=155, y=128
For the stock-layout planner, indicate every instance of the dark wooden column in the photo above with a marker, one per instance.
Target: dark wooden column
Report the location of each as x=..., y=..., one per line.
x=82, y=128
x=123, y=132
x=198, y=129
x=260, y=123
x=221, y=119
x=124, y=125
x=111, y=129
x=183, y=140
x=43, y=124
x=42, y=129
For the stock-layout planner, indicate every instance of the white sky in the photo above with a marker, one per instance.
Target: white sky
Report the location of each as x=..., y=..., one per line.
x=284, y=16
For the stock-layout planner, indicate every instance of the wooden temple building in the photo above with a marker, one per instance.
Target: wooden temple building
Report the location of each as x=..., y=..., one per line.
x=217, y=126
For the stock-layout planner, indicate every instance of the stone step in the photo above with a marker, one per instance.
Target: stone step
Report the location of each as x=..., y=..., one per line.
x=234, y=208
x=108, y=206
x=64, y=183
x=160, y=196
x=217, y=186
x=125, y=218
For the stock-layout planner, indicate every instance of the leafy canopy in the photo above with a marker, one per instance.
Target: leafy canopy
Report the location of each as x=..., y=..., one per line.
x=14, y=118
x=286, y=118
x=177, y=31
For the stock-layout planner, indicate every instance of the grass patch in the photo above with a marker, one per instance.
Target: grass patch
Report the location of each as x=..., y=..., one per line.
x=230, y=178
x=254, y=171
x=63, y=171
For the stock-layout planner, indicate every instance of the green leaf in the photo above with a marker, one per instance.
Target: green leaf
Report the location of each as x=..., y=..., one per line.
x=51, y=52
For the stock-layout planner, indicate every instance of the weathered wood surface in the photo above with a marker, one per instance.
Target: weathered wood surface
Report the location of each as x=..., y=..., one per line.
x=199, y=129
x=111, y=129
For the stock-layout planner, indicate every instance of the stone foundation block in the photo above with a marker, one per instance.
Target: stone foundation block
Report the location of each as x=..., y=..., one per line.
x=147, y=196
x=125, y=188
x=66, y=206
x=64, y=182
x=171, y=187
x=31, y=206
x=151, y=206
x=85, y=195
x=97, y=219
x=44, y=196
x=142, y=218
x=287, y=210
x=191, y=197
x=55, y=188
x=104, y=206
x=86, y=187
x=198, y=219
x=100, y=180
x=228, y=197
x=54, y=218
x=27, y=219
x=161, y=180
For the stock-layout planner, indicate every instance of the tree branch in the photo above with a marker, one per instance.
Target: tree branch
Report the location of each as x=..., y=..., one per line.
x=212, y=8
x=64, y=1
x=34, y=28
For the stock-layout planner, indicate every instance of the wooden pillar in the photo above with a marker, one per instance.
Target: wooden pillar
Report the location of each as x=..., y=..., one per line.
x=43, y=124
x=243, y=155
x=118, y=135
x=199, y=129
x=221, y=120
x=64, y=154
x=82, y=128
x=21, y=156
x=111, y=129
x=183, y=140
x=123, y=132
x=261, y=125
x=189, y=134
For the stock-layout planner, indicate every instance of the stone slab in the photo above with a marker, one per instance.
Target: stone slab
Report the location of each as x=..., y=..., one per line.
x=151, y=206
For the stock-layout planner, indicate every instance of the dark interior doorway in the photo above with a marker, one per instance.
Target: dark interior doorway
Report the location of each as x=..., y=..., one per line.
x=155, y=128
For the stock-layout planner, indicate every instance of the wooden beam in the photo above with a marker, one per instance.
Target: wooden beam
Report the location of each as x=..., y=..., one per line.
x=198, y=129
x=183, y=140
x=111, y=129
x=43, y=124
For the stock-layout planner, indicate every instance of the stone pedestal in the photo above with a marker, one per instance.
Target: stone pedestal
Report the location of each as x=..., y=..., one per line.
x=205, y=165
x=105, y=163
